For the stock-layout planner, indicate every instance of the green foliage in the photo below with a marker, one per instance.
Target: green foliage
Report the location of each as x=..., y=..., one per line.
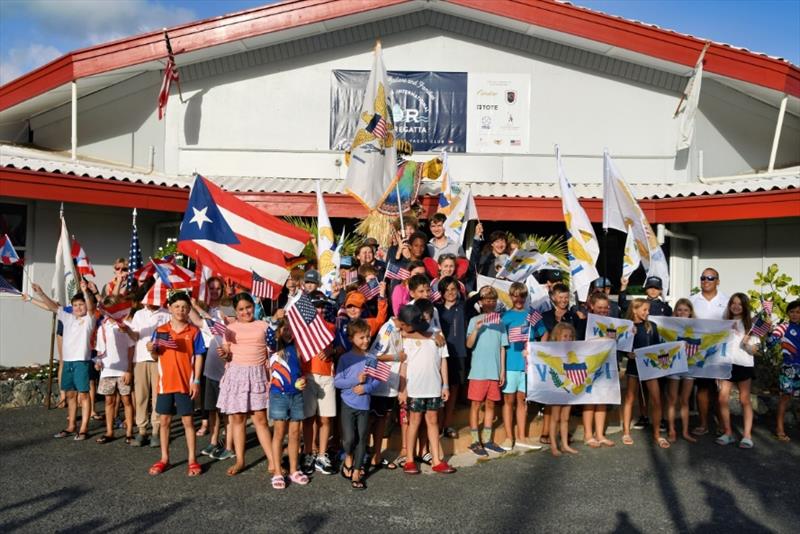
x=554, y=244
x=170, y=248
x=309, y=224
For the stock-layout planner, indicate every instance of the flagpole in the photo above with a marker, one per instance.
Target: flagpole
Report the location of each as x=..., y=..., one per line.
x=683, y=96
x=52, y=340
x=400, y=211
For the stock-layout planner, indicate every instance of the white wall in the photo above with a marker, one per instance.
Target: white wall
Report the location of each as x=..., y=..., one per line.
x=104, y=234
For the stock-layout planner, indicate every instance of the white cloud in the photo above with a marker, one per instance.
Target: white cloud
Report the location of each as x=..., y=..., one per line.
x=18, y=61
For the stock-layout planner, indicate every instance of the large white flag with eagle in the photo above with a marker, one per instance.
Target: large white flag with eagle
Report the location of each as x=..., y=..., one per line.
x=65, y=277
x=372, y=167
x=327, y=260
x=581, y=241
x=707, y=344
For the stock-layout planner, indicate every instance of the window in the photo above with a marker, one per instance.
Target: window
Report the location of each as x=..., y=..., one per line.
x=14, y=223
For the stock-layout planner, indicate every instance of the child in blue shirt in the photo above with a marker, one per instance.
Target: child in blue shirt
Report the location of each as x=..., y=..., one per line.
x=789, y=379
x=356, y=386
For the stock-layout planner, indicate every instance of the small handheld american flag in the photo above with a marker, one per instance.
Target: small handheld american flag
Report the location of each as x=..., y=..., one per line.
x=350, y=277
x=377, y=370
x=435, y=295
x=162, y=340
x=262, y=288
x=396, y=272
x=308, y=327
x=370, y=289
x=491, y=318
x=217, y=328
x=533, y=317
x=518, y=333
x=766, y=305
x=760, y=328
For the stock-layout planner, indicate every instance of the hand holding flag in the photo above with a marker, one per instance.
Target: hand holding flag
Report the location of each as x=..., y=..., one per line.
x=377, y=369
x=163, y=340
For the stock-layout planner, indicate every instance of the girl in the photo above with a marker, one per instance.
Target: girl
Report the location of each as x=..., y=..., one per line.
x=243, y=388
x=452, y=315
x=682, y=383
x=400, y=294
x=594, y=415
x=646, y=335
x=559, y=415
x=286, y=405
x=743, y=349
x=788, y=335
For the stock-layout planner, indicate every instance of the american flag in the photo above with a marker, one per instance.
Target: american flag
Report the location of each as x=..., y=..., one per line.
x=116, y=312
x=262, y=288
x=780, y=330
x=491, y=318
x=8, y=255
x=377, y=369
x=217, y=328
x=533, y=317
x=162, y=340
x=350, y=277
x=81, y=259
x=396, y=272
x=310, y=332
x=518, y=333
x=170, y=75
x=377, y=126
x=370, y=289
x=134, y=258
x=760, y=328
x=576, y=372
x=272, y=342
x=5, y=287
x=766, y=305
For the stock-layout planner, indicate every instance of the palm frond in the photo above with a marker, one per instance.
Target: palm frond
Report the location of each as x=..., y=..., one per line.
x=309, y=224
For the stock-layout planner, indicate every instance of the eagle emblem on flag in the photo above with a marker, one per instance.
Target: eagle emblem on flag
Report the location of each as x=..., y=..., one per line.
x=698, y=346
x=376, y=128
x=573, y=376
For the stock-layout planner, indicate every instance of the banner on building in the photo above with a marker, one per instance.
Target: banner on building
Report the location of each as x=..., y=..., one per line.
x=498, y=120
x=661, y=360
x=573, y=372
x=707, y=343
x=621, y=330
x=430, y=108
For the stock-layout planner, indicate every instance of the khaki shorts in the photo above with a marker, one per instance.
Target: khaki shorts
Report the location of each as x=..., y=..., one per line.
x=111, y=384
x=319, y=396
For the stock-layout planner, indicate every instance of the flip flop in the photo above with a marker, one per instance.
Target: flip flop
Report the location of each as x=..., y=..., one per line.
x=783, y=438
x=400, y=461
x=593, y=443
x=544, y=440
x=347, y=472
x=81, y=436
x=358, y=485
x=278, y=482
x=298, y=477
x=63, y=434
x=627, y=439
x=699, y=431
x=663, y=443
x=97, y=417
x=194, y=469
x=605, y=442
x=746, y=443
x=104, y=439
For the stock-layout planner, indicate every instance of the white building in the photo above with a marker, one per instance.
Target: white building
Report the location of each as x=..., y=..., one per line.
x=257, y=112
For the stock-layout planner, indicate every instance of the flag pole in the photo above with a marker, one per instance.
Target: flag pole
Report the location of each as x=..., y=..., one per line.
x=699, y=60
x=400, y=210
x=47, y=402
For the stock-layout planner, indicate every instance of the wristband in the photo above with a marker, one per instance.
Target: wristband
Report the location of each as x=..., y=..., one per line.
x=196, y=382
x=397, y=357
x=445, y=386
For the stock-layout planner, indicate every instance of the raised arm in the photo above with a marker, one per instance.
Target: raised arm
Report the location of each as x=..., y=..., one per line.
x=43, y=301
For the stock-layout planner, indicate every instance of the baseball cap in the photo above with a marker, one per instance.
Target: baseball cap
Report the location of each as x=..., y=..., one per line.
x=371, y=241
x=313, y=277
x=653, y=281
x=601, y=282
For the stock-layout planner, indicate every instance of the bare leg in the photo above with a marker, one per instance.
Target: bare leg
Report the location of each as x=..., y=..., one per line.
x=783, y=402
x=747, y=408
x=265, y=438
x=600, y=413
x=546, y=424
x=279, y=430
x=92, y=396
x=555, y=414
x=294, y=445
x=588, y=422
x=672, y=399
x=414, y=420
x=522, y=416
x=564, y=426
x=703, y=401
x=163, y=435
x=308, y=434
x=324, y=433
x=724, y=409
x=127, y=406
x=473, y=414
x=508, y=415
x=432, y=422
x=488, y=415
x=237, y=430
x=654, y=395
x=109, y=415
x=631, y=392
x=191, y=440
x=686, y=393
x=83, y=399
x=450, y=406
x=213, y=424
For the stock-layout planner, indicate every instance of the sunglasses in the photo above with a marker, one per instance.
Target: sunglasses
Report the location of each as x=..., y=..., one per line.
x=123, y=269
x=707, y=278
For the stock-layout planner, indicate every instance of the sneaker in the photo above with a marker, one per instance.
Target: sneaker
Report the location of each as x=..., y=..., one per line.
x=155, y=442
x=140, y=441
x=507, y=445
x=494, y=447
x=208, y=450
x=307, y=467
x=443, y=468
x=221, y=453
x=477, y=448
x=323, y=465
x=527, y=443
x=642, y=422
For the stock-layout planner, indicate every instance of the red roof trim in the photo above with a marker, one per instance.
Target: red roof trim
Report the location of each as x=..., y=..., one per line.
x=655, y=42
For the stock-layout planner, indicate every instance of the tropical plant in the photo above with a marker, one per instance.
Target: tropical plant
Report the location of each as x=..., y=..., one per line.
x=553, y=244
x=309, y=224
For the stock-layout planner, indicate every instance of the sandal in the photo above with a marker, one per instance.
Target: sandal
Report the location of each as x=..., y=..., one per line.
x=391, y=466
x=202, y=431
x=593, y=443
x=427, y=459
x=62, y=434
x=158, y=468
x=605, y=442
x=663, y=443
x=194, y=469
x=347, y=472
x=627, y=439
x=97, y=417
x=278, y=482
x=544, y=440
x=298, y=477
x=746, y=443
x=400, y=461
x=699, y=431
x=358, y=485
x=80, y=436
x=725, y=439
x=783, y=437
x=104, y=439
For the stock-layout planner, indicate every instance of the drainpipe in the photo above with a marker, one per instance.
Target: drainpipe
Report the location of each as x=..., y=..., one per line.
x=662, y=232
x=776, y=139
x=74, y=120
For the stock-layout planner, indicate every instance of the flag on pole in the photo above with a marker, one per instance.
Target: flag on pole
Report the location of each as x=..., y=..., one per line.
x=81, y=259
x=760, y=327
x=116, y=312
x=446, y=194
x=462, y=211
x=234, y=238
x=766, y=305
x=690, y=101
x=171, y=274
x=534, y=317
x=200, y=286
x=395, y=272
x=631, y=258
x=262, y=288
x=157, y=295
x=518, y=334
x=170, y=75
x=308, y=327
x=372, y=169
x=327, y=258
x=581, y=240
x=491, y=318
x=622, y=212
x=377, y=369
x=134, y=254
x=217, y=328
x=65, y=278
x=350, y=277
x=163, y=340
x=8, y=255
x=523, y=261
x=370, y=289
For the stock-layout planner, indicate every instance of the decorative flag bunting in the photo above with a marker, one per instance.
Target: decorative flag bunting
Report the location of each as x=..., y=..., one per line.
x=170, y=75
x=370, y=289
x=65, y=278
x=262, y=288
x=8, y=255
x=217, y=328
x=622, y=212
x=372, y=165
x=81, y=259
x=691, y=97
x=308, y=327
x=396, y=272
x=162, y=340
x=518, y=334
x=6, y=287
x=664, y=359
x=328, y=258
x=134, y=255
x=534, y=317
x=491, y=318
x=581, y=240
x=234, y=238
x=377, y=369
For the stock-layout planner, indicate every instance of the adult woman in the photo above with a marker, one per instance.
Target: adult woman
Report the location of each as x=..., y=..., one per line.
x=365, y=255
x=119, y=284
x=243, y=388
x=743, y=347
x=682, y=383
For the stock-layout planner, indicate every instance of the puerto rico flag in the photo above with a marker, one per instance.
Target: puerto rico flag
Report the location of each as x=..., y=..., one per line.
x=8, y=256
x=236, y=239
x=81, y=259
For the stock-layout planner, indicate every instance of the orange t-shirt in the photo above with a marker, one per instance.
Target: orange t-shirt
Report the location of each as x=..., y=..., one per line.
x=176, y=366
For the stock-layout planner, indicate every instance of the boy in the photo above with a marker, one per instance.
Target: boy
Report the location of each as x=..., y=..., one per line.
x=488, y=342
x=789, y=379
x=425, y=388
x=78, y=328
x=440, y=243
x=519, y=332
x=178, y=348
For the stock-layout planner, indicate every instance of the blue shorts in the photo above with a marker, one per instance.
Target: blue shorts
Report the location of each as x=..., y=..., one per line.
x=515, y=382
x=75, y=376
x=174, y=403
x=286, y=406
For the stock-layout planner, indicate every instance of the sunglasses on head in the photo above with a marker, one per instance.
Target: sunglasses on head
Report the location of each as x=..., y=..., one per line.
x=705, y=278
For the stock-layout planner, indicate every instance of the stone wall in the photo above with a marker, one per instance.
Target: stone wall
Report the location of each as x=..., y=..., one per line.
x=17, y=393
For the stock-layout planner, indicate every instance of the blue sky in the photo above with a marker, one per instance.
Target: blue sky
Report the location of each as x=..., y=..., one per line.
x=33, y=32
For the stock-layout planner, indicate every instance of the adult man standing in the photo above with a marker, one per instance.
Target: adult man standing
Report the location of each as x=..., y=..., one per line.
x=709, y=303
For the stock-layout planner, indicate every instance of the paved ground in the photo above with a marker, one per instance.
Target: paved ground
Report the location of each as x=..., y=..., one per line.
x=49, y=485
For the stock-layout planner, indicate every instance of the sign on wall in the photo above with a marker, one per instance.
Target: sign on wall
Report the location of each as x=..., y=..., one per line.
x=430, y=108
x=498, y=119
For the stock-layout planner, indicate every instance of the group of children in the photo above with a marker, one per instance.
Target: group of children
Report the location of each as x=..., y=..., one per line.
x=440, y=344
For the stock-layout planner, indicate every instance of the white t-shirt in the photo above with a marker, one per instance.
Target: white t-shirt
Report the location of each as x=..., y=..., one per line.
x=112, y=349
x=423, y=368
x=213, y=366
x=77, y=336
x=144, y=323
x=388, y=341
x=709, y=309
x=435, y=324
x=740, y=356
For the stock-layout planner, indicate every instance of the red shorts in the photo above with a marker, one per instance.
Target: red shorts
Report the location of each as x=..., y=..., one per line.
x=481, y=390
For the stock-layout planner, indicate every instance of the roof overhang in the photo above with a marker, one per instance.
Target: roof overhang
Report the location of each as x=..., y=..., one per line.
x=758, y=75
